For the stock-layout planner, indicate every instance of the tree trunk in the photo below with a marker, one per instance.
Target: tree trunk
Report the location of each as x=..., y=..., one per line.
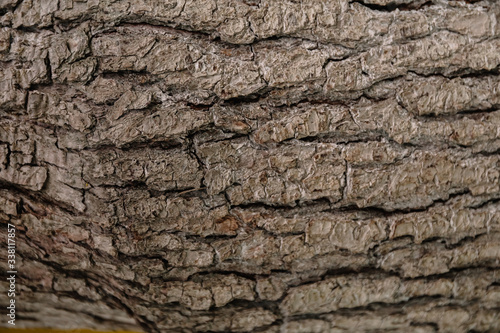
x=252, y=166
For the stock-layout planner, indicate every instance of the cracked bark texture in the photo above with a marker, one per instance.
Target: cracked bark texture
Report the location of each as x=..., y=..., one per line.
x=253, y=166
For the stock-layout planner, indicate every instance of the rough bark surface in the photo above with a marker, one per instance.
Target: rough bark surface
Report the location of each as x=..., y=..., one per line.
x=253, y=166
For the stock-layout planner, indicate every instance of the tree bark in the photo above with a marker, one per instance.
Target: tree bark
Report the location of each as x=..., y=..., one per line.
x=252, y=166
